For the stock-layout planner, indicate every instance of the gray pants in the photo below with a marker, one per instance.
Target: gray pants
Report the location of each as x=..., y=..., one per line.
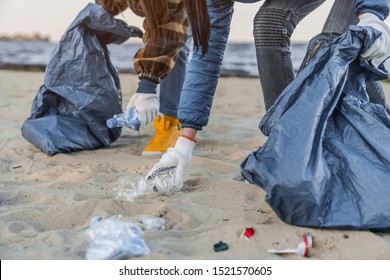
x=274, y=25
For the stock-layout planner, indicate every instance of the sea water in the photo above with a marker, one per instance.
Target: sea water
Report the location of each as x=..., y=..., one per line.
x=239, y=59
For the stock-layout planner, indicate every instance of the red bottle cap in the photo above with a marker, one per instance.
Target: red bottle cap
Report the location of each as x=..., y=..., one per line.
x=248, y=233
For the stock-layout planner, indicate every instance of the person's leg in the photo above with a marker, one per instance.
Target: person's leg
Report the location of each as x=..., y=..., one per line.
x=172, y=85
x=273, y=26
x=341, y=16
x=376, y=94
x=167, y=127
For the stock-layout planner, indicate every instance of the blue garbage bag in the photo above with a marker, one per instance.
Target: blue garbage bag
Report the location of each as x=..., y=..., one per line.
x=81, y=89
x=326, y=161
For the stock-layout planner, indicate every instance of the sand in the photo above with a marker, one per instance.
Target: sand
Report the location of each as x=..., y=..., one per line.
x=46, y=202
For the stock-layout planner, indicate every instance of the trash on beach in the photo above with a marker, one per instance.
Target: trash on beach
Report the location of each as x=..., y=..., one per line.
x=94, y=220
x=240, y=178
x=114, y=239
x=131, y=187
x=248, y=233
x=164, y=182
x=151, y=222
x=303, y=248
x=220, y=246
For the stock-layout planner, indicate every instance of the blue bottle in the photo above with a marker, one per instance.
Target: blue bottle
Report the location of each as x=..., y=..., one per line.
x=129, y=118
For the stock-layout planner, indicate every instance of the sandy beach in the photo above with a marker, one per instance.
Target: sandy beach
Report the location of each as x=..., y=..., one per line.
x=46, y=202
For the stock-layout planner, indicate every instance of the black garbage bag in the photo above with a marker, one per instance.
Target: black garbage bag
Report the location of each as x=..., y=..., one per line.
x=326, y=162
x=81, y=89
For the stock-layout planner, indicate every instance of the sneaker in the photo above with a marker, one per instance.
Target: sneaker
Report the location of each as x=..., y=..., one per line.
x=168, y=129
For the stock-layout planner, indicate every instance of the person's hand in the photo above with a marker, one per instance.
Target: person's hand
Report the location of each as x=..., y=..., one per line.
x=146, y=105
x=178, y=157
x=379, y=51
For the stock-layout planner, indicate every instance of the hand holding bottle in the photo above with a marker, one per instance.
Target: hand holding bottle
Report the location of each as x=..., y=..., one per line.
x=130, y=119
x=147, y=106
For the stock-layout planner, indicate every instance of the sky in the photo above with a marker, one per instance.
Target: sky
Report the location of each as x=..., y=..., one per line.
x=52, y=17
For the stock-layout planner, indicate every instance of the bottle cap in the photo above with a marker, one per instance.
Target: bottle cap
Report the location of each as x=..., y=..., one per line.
x=308, y=239
x=111, y=123
x=308, y=242
x=220, y=246
x=248, y=233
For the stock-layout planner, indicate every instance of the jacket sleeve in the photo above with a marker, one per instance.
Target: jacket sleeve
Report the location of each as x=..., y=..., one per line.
x=156, y=59
x=203, y=72
x=380, y=8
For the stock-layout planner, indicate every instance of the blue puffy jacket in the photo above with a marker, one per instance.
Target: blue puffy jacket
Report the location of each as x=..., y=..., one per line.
x=379, y=8
x=203, y=73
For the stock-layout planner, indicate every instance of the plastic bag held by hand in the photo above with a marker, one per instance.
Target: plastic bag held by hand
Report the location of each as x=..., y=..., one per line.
x=379, y=51
x=114, y=239
x=333, y=157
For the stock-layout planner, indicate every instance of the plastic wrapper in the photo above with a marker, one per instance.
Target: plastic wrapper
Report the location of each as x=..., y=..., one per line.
x=114, y=239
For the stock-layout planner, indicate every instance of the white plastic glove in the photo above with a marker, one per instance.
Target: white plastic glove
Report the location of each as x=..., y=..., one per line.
x=147, y=106
x=379, y=51
x=178, y=157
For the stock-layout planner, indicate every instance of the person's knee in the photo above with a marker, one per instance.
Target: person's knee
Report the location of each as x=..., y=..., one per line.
x=273, y=28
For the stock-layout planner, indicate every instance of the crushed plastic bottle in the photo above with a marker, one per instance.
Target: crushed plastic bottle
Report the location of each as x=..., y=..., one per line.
x=151, y=222
x=130, y=119
x=131, y=187
x=164, y=182
x=114, y=239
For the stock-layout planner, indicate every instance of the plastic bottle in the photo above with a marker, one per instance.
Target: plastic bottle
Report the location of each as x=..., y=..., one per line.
x=130, y=119
x=164, y=182
x=151, y=222
x=131, y=187
x=114, y=239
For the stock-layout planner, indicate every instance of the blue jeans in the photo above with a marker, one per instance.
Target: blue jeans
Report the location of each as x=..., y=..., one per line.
x=273, y=26
x=172, y=85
